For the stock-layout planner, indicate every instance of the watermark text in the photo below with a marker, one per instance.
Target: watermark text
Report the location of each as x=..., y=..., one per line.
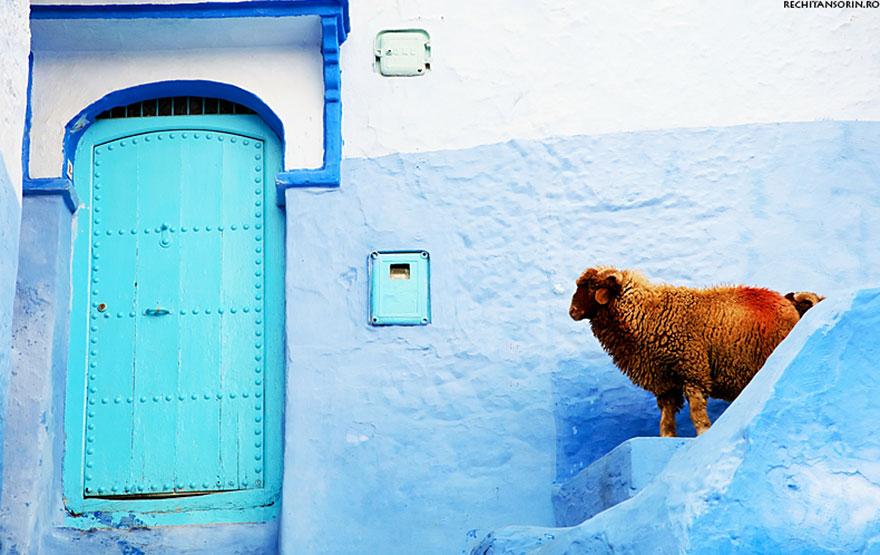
x=838, y=4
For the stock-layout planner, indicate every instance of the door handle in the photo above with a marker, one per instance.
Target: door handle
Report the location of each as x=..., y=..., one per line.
x=156, y=311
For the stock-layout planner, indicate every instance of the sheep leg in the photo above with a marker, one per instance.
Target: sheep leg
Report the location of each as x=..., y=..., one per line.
x=697, y=406
x=668, y=404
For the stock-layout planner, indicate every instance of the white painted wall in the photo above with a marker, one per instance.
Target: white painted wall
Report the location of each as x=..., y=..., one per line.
x=77, y=62
x=537, y=69
x=545, y=68
x=14, y=47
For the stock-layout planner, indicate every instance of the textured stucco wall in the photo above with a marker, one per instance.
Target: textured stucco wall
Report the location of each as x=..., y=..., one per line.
x=10, y=212
x=36, y=388
x=14, y=38
x=15, y=45
x=547, y=68
x=419, y=440
x=790, y=468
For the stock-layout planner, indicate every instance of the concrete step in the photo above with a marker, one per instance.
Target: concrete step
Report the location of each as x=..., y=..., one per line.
x=616, y=477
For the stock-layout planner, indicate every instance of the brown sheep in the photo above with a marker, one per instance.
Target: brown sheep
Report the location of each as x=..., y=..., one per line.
x=675, y=341
x=803, y=300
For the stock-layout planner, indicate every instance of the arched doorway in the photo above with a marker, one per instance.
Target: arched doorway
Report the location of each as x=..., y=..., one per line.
x=175, y=372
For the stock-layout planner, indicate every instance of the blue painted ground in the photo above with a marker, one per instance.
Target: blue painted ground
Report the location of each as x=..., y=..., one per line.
x=793, y=466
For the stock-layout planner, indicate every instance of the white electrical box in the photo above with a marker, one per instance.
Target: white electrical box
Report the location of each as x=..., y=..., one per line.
x=403, y=53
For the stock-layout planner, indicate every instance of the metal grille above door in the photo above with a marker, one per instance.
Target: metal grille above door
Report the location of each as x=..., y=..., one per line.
x=176, y=106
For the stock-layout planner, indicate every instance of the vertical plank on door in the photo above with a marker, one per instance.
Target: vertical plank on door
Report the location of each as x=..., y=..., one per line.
x=111, y=323
x=156, y=361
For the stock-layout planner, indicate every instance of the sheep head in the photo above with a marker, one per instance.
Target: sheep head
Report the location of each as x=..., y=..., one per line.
x=803, y=300
x=595, y=288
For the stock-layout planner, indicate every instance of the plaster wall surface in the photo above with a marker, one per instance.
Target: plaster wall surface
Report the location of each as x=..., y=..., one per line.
x=563, y=67
x=418, y=439
x=15, y=45
x=14, y=38
x=10, y=213
x=77, y=62
x=560, y=67
x=36, y=388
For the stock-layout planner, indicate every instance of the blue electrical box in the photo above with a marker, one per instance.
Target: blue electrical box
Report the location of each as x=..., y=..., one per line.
x=399, y=288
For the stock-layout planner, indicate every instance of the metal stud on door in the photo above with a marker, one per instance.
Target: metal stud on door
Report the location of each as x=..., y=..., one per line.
x=174, y=400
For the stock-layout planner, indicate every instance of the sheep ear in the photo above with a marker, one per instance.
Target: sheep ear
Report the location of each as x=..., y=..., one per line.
x=603, y=295
x=613, y=276
x=790, y=296
x=612, y=280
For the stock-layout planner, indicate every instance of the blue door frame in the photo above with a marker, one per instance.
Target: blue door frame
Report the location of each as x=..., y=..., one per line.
x=335, y=26
x=176, y=370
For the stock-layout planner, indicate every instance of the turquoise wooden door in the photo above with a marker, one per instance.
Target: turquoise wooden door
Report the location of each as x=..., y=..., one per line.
x=176, y=339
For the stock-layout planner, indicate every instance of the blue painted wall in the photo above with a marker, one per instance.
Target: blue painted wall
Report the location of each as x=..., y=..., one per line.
x=32, y=515
x=423, y=439
x=10, y=213
x=39, y=346
x=791, y=467
x=404, y=440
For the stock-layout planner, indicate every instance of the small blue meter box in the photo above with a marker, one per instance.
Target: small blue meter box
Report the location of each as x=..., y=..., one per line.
x=399, y=288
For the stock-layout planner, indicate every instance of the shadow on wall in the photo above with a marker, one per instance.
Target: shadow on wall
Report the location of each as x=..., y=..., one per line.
x=595, y=406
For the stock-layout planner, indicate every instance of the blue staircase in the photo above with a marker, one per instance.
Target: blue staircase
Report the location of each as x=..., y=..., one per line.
x=614, y=478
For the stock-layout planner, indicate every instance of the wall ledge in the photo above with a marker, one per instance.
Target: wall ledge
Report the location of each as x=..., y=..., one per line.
x=52, y=186
x=328, y=175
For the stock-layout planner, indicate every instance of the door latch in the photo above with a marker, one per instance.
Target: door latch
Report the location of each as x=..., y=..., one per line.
x=165, y=237
x=158, y=311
